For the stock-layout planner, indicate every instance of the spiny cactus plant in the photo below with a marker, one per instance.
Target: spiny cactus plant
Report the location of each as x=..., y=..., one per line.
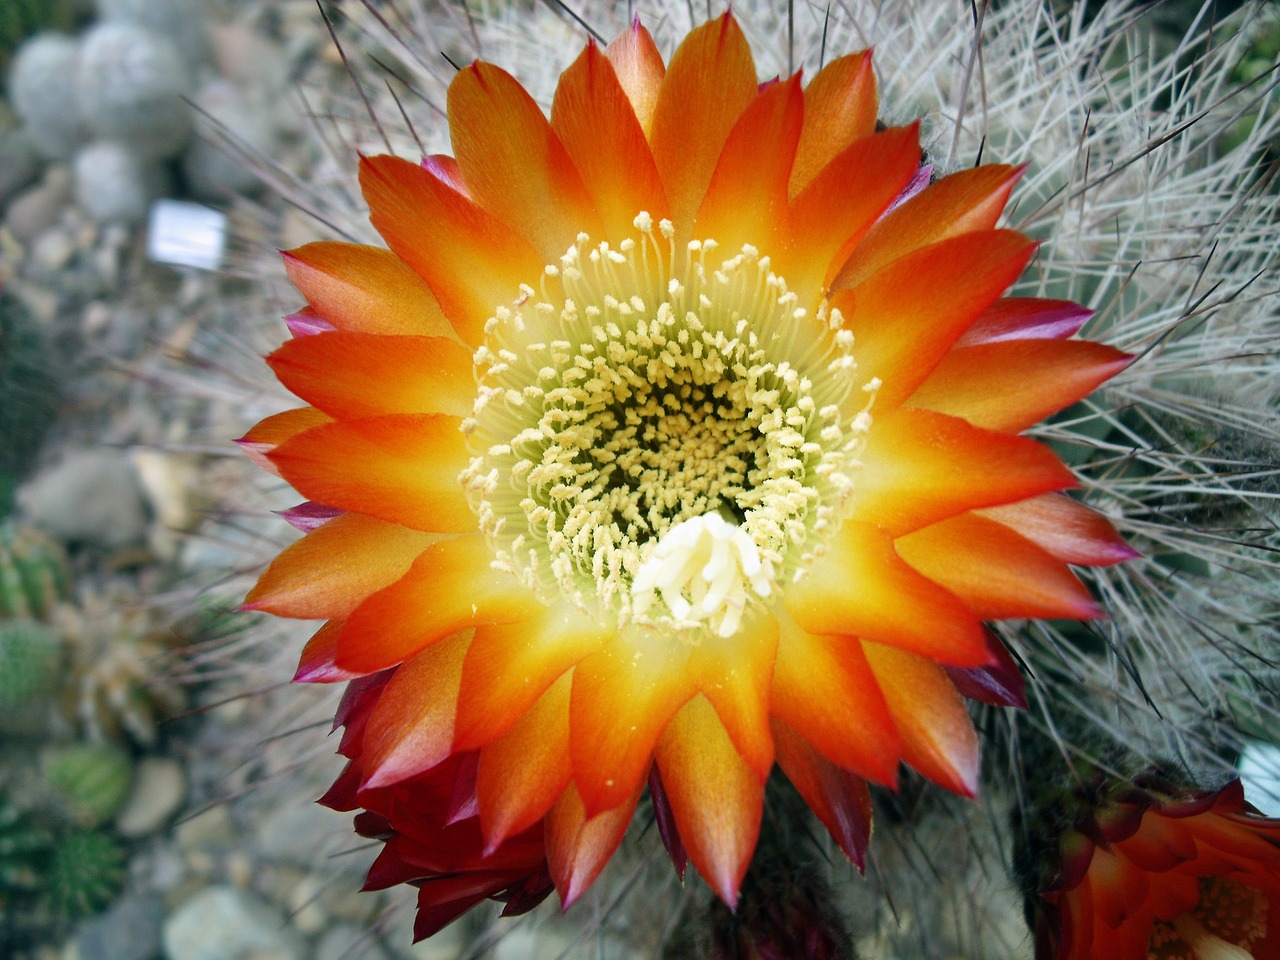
x=21, y=18
x=23, y=846
x=90, y=781
x=85, y=871
x=34, y=573
x=30, y=655
x=28, y=393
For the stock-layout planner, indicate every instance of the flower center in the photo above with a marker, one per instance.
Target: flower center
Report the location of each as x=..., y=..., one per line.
x=1224, y=925
x=662, y=439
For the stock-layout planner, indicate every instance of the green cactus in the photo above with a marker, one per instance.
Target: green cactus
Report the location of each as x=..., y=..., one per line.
x=85, y=872
x=24, y=847
x=30, y=658
x=28, y=393
x=91, y=781
x=34, y=573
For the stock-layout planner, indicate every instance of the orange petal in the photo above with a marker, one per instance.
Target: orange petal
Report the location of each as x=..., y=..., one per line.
x=860, y=587
x=450, y=587
x=839, y=107
x=640, y=70
x=623, y=697
x=411, y=728
x=937, y=735
x=733, y=674
x=709, y=82
x=1065, y=528
x=840, y=799
x=579, y=846
x=472, y=262
x=746, y=201
x=513, y=162
x=1119, y=889
x=275, y=430
x=1010, y=385
x=964, y=202
x=836, y=209
x=598, y=127
x=825, y=692
x=920, y=467
x=365, y=289
x=316, y=664
x=902, y=326
x=998, y=573
x=331, y=570
x=715, y=797
x=523, y=772
x=352, y=375
x=510, y=665
x=402, y=468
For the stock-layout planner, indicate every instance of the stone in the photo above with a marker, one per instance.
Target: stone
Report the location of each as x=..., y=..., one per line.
x=130, y=930
x=226, y=923
x=209, y=829
x=44, y=93
x=296, y=833
x=89, y=497
x=37, y=208
x=115, y=184
x=210, y=165
x=348, y=942
x=159, y=787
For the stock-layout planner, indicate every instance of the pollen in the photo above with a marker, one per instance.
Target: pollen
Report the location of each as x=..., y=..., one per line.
x=1226, y=922
x=663, y=435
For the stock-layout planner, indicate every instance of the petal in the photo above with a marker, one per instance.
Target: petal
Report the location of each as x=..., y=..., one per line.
x=938, y=739
x=902, y=327
x=640, y=70
x=353, y=375
x=1010, y=385
x=598, y=127
x=836, y=209
x=1000, y=683
x=403, y=468
x=365, y=289
x=999, y=574
x=623, y=697
x=1065, y=528
x=824, y=691
x=839, y=107
x=839, y=798
x=1026, y=318
x=411, y=728
x=316, y=664
x=450, y=587
x=733, y=673
x=716, y=799
x=920, y=467
x=860, y=587
x=579, y=846
x=308, y=515
x=276, y=429
x=333, y=569
x=964, y=202
x=509, y=666
x=472, y=262
x=513, y=163
x=666, y=823
x=1118, y=888
x=746, y=200
x=524, y=771
x=709, y=82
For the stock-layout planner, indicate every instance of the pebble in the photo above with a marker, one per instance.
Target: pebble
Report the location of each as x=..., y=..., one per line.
x=52, y=251
x=130, y=930
x=90, y=497
x=296, y=833
x=211, y=166
x=348, y=942
x=159, y=787
x=226, y=923
x=305, y=909
x=210, y=829
x=36, y=209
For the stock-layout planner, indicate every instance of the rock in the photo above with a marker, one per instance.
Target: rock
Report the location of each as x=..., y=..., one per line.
x=130, y=930
x=226, y=923
x=296, y=833
x=225, y=114
x=132, y=83
x=348, y=942
x=209, y=829
x=19, y=162
x=249, y=59
x=305, y=908
x=117, y=185
x=90, y=497
x=44, y=93
x=182, y=21
x=52, y=251
x=159, y=787
x=37, y=208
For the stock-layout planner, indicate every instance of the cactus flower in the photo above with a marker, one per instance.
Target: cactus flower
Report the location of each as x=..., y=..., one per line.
x=675, y=436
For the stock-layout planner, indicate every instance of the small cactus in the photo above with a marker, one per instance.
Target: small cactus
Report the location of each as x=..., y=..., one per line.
x=43, y=92
x=85, y=872
x=28, y=393
x=21, y=18
x=91, y=781
x=34, y=574
x=30, y=658
x=23, y=849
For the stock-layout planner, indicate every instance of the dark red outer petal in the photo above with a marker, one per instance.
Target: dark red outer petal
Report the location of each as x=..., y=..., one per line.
x=999, y=683
x=309, y=515
x=464, y=803
x=666, y=822
x=341, y=796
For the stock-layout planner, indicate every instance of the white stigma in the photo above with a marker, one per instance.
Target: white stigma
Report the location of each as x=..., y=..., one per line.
x=1205, y=945
x=706, y=570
